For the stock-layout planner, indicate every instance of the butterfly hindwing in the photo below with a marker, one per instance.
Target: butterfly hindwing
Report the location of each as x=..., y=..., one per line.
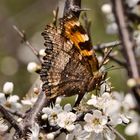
x=62, y=71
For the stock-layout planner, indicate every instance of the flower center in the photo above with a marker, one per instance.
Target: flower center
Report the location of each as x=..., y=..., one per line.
x=96, y=121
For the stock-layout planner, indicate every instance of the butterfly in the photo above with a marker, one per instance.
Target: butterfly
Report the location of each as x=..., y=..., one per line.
x=70, y=65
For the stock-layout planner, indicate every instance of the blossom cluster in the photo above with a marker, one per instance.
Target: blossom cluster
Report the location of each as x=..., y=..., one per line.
x=133, y=8
x=95, y=118
x=100, y=115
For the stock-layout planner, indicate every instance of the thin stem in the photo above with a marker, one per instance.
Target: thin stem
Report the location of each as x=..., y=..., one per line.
x=23, y=37
x=107, y=45
x=117, y=133
x=17, y=113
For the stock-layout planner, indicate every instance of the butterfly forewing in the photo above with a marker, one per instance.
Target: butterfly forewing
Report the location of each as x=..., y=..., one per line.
x=74, y=31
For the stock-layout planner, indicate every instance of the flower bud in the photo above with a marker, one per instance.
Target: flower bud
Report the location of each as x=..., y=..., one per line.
x=42, y=52
x=106, y=8
x=50, y=136
x=8, y=87
x=32, y=67
x=131, y=82
x=44, y=117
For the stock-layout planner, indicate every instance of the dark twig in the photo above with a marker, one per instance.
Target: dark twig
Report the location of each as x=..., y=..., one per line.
x=17, y=113
x=31, y=116
x=72, y=6
x=24, y=39
x=107, y=45
x=128, y=44
x=10, y=119
x=100, y=47
x=117, y=61
x=39, y=104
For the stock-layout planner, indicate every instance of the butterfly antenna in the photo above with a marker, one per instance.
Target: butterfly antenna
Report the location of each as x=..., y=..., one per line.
x=105, y=57
x=55, y=13
x=113, y=68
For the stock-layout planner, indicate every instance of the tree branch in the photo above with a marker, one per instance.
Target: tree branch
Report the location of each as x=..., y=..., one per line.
x=128, y=44
x=10, y=119
x=125, y=37
x=31, y=116
x=72, y=6
x=16, y=113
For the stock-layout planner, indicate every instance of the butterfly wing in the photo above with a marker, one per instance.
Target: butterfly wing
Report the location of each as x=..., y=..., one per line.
x=62, y=71
x=74, y=31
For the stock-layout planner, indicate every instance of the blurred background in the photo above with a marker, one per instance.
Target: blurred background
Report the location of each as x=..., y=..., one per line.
x=32, y=16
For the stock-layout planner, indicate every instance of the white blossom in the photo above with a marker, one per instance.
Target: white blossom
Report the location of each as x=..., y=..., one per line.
x=99, y=102
x=34, y=135
x=136, y=10
x=110, y=18
x=11, y=102
x=131, y=82
x=95, y=122
x=2, y=98
x=29, y=101
x=44, y=117
x=58, y=99
x=113, y=109
x=8, y=87
x=67, y=107
x=112, y=28
x=66, y=120
x=105, y=87
x=134, y=127
x=78, y=134
x=137, y=39
x=106, y=8
x=3, y=126
x=132, y=3
x=50, y=136
x=51, y=114
x=129, y=102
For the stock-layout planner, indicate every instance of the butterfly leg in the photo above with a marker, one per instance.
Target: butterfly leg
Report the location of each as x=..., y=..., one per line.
x=80, y=96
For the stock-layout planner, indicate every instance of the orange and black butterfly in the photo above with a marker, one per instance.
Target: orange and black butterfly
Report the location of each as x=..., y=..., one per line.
x=70, y=66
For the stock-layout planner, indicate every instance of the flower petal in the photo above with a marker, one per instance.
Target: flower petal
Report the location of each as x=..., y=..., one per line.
x=88, y=117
